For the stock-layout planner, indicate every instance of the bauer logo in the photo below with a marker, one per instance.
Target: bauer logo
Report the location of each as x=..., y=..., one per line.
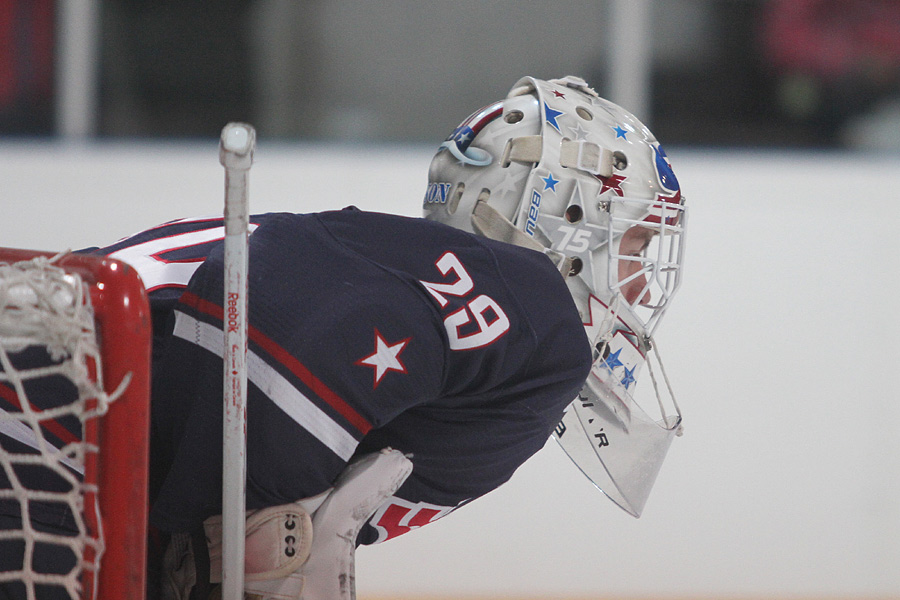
x=533, y=211
x=437, y=193
x=560, y=429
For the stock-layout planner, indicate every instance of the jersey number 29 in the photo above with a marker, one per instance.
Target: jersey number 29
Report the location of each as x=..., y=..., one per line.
x=490, y=320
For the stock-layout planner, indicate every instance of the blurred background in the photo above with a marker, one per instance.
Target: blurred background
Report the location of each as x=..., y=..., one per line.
x=782, y=122
x=784, y=73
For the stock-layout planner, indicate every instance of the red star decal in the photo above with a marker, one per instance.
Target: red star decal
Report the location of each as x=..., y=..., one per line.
x=558, y=94
x=613, y=182
x=385, y=358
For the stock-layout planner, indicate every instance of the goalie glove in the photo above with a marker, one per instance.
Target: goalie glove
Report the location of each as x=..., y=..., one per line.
x=329, y=574
x=277, y=542
x=283, y=559
x=358, y=492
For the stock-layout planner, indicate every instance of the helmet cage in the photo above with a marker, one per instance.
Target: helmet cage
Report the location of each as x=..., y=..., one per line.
x=659, y=262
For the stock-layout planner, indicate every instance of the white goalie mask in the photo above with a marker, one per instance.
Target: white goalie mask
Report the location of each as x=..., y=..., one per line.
x=556, y=168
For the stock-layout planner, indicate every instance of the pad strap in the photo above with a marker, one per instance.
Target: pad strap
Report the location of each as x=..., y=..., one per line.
x=277, y=543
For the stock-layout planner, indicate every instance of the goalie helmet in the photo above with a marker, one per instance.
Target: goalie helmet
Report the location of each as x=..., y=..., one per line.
x=555, y=168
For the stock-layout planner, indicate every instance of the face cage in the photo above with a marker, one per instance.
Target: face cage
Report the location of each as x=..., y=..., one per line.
x=660, y=262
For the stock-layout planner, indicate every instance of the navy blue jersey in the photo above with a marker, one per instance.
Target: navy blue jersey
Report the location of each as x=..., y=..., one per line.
x=46, y=395
x=365, y=331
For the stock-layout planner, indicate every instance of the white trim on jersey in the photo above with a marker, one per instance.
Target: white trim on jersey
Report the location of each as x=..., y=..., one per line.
x=274, y=385
x=18, y=430
x=156, y=272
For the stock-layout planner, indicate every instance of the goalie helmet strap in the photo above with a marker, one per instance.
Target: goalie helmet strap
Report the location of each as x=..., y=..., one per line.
x=524, y=149
x=487, y=221
x=586, y=156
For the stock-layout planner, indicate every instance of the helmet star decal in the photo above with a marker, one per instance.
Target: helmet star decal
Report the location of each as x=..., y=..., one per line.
x=613, y=182
x=629, y=377
x=552, y=115
x=385, y=358
x=612, y=361
x=579, y=132
x=550, y=182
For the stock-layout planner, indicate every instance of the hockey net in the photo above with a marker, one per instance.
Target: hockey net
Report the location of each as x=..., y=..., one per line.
x=74, y=417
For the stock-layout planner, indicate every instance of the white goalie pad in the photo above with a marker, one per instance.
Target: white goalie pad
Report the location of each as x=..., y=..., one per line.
x=363, y=487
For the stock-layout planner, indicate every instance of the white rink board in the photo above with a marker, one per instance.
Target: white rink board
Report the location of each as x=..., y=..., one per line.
x=782, y=347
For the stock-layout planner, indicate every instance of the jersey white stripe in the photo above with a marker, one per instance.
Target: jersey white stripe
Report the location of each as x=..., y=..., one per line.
x=288, y=398
x=155, y=272
x=18, y=430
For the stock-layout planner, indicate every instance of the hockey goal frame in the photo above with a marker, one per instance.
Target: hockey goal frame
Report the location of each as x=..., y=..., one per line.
x=120, y=467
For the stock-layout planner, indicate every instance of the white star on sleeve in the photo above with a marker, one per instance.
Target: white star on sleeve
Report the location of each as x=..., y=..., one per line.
x=385, y=358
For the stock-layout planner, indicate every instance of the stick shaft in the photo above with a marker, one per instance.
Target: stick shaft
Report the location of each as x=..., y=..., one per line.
x=236, y=155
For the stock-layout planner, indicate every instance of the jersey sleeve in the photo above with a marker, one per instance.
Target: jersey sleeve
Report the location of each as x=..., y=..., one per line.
x=338, y=346
x=166, y=257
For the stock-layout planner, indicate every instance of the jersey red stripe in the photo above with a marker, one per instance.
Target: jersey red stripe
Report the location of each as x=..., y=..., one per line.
x=53, y=426
x=285, y=358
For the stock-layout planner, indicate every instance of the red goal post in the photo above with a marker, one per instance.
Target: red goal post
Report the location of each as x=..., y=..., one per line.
x=117, y=470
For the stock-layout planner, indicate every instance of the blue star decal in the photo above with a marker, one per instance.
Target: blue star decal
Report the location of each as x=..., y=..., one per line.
x=612, y=361
x=549, y=182
x=620, y=133
x=629, y=377
x=552, y=115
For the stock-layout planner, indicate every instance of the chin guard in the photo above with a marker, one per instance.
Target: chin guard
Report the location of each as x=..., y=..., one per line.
x=608, y=435
x=621, y=459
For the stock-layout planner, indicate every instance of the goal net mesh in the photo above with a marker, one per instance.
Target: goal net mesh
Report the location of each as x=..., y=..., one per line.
x=51, y=394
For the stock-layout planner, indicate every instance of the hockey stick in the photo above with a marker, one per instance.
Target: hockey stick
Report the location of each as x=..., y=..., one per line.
x=236, y=148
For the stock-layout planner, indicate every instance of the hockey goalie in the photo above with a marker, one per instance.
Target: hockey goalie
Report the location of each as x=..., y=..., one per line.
x=400, y=368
